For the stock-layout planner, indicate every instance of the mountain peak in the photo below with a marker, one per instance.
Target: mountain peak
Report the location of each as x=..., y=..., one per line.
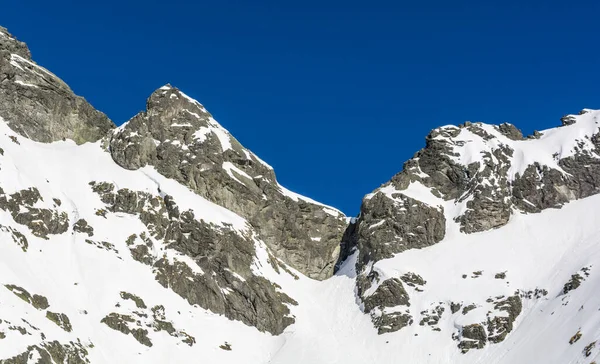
x=9, y=44
x=38, y=104
x=170, y=100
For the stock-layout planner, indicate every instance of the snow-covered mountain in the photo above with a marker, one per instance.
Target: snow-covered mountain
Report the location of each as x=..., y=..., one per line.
x=166, y=241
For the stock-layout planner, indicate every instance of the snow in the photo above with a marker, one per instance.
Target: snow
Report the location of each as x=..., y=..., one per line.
x=202, y=133
x=229, y=167
x=193, y=101
x=224, y=138
x=415, y=190
x=535, y=250
x=553, y=145
x=25, y=84
x=16, y=59
x=295, y=196
x=261, y=161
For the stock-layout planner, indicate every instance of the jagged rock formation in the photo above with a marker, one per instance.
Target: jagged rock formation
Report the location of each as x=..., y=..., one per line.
x=39, y=105
x=473, y=166
x=224, y=257
x=475, y=176
x=182, y=141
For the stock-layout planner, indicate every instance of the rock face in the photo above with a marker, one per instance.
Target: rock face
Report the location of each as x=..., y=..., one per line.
x=400, y=221
x=217, y=266
x=39, y=105
x=386, y=301
x=473, y=178
x=41, y=221
x=224, y=257
x=472, y=168
x=182, y=141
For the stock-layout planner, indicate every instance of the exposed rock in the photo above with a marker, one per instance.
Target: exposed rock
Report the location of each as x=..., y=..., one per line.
x=510, y=131
x=568, y=120
x=500, y=326
x=476, y=337
x=41, y=221
x=40, y=106
x=218, y=250
x=413, y=280
x=52, y=352
x=392, y=322
x=432, y=317
x=497, y=326
x=575, y=338
x=16, y=236
x=573, y=283
x=139, y=321
x=389, y=294
x=587, y=351
x=501, y=275
x=138, y=301
x=468, y=308
x=81, y=226
x=477, y=274
x=182, y=141
x=455, y=307
x=38, y=301
x=226, y=346
x=19, y=292
x=484, y=186
x=536, y=293
x=60, y=319
x=121, y=323
x=402, y=223
x=104, y=245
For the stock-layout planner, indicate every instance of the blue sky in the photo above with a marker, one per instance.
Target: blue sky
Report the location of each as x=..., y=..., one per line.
x=336, y=95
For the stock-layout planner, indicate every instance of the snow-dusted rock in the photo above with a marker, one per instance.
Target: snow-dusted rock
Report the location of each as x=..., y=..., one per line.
x=39, y=105
x=178, y=136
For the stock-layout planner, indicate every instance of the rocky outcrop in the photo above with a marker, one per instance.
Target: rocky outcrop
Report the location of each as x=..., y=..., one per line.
x=227, y=284
x=386, y=301
x=138, y=322
x=399, y=221
x=475, y=176
x=471, y=168
x=23, y=206
x=40, y=106
x=182, y=141
x=499, y=323
x=38, y=301
x=50, y=352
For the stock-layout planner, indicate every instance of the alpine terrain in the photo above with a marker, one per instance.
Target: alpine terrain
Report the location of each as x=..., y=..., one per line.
x=165, y=240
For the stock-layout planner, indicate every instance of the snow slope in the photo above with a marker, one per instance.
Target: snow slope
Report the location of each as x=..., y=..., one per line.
x=84, y=282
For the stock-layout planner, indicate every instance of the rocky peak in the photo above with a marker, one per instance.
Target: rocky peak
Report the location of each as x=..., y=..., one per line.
x=168, y=101
x=182, y=140
x=10, y=44
x=478, y=175
x=38, y=104
x=469, y=178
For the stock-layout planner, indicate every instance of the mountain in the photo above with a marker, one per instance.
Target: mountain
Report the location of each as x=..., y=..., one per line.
x=165, y=240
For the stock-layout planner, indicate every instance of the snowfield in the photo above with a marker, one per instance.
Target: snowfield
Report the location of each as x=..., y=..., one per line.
x=84, y=281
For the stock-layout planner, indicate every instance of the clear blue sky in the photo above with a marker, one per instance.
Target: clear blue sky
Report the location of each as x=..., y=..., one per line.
x=336, y=95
